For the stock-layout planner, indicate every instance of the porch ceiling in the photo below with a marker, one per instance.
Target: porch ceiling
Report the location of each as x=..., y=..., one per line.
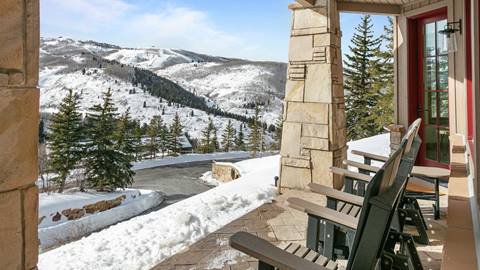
x=390, y=7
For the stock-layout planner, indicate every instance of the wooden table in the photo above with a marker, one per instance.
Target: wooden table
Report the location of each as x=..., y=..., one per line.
x=433, y=174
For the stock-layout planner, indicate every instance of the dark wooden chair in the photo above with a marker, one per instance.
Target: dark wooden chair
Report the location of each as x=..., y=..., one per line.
x=335, y=240
x=372, y=241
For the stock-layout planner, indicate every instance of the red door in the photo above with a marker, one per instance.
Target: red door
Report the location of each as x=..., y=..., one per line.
x=429, y=87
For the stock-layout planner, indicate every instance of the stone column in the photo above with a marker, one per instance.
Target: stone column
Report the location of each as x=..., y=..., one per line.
x=19, y=98
x=314, y=133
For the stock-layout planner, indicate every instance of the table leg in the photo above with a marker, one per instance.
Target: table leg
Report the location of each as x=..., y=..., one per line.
x=437, y=199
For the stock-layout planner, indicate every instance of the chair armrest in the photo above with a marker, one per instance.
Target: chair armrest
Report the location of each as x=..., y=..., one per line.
x=356, y=176
x=362, y=166
x=323, y=212
x=370, y=156
x=270, y=254
x=336, y=194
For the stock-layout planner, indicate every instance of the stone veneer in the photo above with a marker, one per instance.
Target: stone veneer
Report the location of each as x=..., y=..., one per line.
x=19, y=98
x=314, y=136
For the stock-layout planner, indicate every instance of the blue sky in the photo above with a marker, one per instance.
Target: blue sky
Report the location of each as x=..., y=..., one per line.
x=257, y=30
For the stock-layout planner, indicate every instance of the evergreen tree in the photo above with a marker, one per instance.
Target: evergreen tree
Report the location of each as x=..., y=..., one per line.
x=154, y=130
x=176, y=133
x=361, y=98
x=209, y=141
x=255, y=136
x=240, y=139
x=125, y=136
x=215, y=143
x=106, y=167
x=65, y=139
x=383, y=85
x=137, y=141
x=278, y=133
x=41, y=132
x=228, y=137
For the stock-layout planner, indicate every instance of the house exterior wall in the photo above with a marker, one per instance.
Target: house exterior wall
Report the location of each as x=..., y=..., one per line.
x=457, y=84
x=314, y=133
x=19, y=98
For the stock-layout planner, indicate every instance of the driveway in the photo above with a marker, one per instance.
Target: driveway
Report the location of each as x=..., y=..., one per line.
x=176, y=182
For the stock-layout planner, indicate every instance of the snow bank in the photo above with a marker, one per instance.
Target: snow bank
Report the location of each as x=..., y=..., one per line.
x=145, y=164
x=379, y=145
x=144, y=241
x=54, y=233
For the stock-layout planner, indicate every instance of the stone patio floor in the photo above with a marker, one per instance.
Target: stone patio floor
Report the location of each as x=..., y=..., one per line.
x=277, y=223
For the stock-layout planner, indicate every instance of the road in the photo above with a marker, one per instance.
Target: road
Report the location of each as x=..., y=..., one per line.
x=176, y=182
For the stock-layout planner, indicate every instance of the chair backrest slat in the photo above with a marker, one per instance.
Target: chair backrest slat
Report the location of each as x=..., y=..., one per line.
x=376, y=217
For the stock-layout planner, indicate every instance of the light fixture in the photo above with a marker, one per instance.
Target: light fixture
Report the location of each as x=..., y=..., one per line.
x=449, y=32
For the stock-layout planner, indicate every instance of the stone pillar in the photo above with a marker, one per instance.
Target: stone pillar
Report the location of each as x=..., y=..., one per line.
x=396, y=134
x=19, y=99
x=314, y=132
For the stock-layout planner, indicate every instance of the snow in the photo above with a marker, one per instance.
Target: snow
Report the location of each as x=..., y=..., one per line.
x=54, y=85
x=53, y=233
x=144, y=241
x=148, y=58
x=379, y=145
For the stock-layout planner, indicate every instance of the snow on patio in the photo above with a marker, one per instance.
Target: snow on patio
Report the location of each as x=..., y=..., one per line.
x=52, y=233
x=145, y=241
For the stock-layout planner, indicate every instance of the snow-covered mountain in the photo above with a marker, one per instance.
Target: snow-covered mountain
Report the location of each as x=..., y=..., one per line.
x=161, y=81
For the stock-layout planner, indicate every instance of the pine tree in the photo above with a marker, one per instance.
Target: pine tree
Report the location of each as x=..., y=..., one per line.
x=240, y=139
x=137, y=141
x=106, y=167
x=209, y=141
x=176, y=133
x=125, y=136
x=65, y=139
x=361, y=98
x=255, y=136
x=215, y=143
x=228, y=137
x=383, y=85
x=278, y=133
x=154, y=130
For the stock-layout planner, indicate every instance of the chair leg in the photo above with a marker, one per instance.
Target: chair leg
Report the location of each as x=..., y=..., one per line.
x=328, y=240
x=418, y=222
x=313, y=233
x=265, y=266
x=416, y=206
x=412, y=253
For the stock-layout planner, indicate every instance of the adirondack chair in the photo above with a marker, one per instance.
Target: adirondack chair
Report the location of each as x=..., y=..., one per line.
x=409, y=208
x=372, y=245
x=335, y=241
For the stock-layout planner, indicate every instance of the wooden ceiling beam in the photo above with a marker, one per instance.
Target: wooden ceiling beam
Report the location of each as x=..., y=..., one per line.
x=370, y=8
x=306, y=3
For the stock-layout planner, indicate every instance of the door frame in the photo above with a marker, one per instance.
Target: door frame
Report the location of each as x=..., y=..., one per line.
x=415, y=64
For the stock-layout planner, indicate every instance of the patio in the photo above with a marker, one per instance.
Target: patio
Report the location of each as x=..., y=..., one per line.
x=278, y=224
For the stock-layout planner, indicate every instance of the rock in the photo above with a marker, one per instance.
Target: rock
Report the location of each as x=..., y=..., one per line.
x=56, y=217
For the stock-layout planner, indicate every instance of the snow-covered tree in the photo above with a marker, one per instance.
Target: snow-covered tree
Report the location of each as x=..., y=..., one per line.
x=65, y=139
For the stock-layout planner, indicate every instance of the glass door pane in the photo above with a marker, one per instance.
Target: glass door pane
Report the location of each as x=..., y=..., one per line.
x=435, y=93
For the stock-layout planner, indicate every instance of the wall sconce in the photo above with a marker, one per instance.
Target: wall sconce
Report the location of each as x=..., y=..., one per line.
x=449, y=32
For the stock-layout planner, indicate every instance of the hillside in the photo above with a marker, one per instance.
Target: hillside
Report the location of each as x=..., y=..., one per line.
x=155, y=81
